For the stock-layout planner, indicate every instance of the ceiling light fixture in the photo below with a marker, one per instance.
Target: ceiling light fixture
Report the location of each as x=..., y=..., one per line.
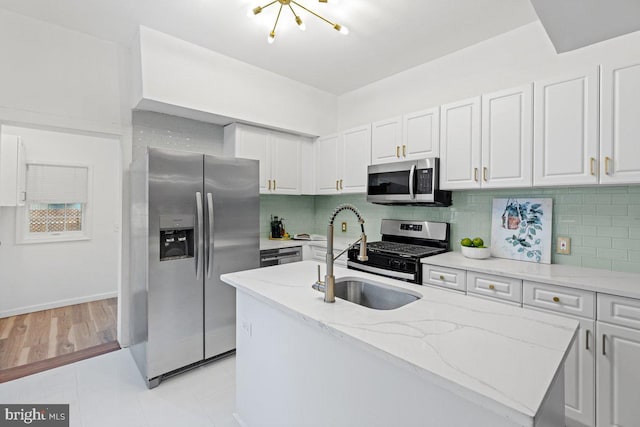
x=272, y=35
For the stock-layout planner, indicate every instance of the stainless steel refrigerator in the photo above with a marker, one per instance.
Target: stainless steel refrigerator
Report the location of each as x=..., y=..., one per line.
x=194, y=217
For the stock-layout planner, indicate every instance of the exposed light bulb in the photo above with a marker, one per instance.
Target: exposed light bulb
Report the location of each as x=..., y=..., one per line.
x=253, y=11
x=341, y=28
x=272, y=37
x=301, y=24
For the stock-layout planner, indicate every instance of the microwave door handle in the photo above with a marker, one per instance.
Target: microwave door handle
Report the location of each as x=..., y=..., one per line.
x=412, y=174
x=211, y=222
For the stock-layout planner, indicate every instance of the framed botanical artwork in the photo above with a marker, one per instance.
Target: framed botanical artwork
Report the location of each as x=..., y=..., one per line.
x=521, y=229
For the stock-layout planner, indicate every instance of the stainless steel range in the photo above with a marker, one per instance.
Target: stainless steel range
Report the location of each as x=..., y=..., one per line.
x=403, y=245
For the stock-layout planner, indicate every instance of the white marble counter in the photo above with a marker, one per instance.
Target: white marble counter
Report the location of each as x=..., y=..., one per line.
x=277, y=244
x=612, y=282
x=339, y=243
x=495, y=355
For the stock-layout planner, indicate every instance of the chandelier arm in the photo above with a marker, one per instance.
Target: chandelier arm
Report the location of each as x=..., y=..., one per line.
x=292, y=11
x=313, y=13
x=275, y=24
x=268, y=4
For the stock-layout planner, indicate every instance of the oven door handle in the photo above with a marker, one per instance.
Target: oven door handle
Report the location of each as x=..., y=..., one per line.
x=412, y=174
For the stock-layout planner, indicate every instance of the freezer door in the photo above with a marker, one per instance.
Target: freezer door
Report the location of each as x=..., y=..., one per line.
x=232, y=208
x=175, y=296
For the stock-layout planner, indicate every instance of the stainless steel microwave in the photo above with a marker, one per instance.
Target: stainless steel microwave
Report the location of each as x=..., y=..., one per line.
x=414, y=182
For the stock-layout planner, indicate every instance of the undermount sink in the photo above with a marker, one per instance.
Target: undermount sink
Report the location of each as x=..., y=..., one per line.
x=371, y=294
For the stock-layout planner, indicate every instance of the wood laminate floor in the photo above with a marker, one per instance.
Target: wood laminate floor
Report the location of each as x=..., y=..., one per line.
x=49, y=334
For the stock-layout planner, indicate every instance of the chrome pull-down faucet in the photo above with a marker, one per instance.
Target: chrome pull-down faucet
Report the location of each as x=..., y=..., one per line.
x=329, y=279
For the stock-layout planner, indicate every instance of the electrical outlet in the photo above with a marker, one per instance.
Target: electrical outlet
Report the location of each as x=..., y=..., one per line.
x=344, y=226
x=564, y=245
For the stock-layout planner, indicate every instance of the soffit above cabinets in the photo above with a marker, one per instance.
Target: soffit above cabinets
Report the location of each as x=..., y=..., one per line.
x=572, y=24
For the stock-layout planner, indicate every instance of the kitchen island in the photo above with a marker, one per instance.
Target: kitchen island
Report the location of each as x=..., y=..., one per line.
x=442, y=360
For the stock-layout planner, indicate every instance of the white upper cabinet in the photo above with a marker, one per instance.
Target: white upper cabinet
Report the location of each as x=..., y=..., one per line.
x=620, y=127
x=279, y=155
x=342, y=160
x=386, y=141
x=566, y=130
x=421, y=134
x=507, y=137
x=327, y=165
x=353, y=158
x=285, y=163
x=12, y=171
x=460, y=144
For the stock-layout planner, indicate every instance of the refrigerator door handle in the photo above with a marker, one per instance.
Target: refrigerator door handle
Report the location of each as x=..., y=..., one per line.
x=210, y=257
x=200, y=242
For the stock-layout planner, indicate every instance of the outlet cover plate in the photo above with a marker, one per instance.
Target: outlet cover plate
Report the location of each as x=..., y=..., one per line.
x=564, y=245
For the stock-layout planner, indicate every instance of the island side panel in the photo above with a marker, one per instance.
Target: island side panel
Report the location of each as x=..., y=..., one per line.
x=292, y=371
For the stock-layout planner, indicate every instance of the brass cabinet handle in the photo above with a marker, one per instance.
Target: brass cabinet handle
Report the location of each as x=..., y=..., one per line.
x=274, y=185
x=404, y=150
x=484, y=173
x=556, y=299
x=492, y=287
x=397, y=151
x=441, y=277
x=586, y=339
x=592, y=165
x=269, y=184
x=475, y=174
x=604, y=341
x=341, y=184
x=606, y=165
x=337, y=187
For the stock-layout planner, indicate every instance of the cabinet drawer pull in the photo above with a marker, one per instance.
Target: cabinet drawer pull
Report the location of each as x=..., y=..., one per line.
x=341, y=184
x=337, y=185
x=592, y=165
x=606, y=165
x=475, y=174
x=274, y=185
x=441, y=277
x=484, y=173
x=586, y=339
x=397, y=151
x=604, y=341
x=492, y=287
x=556, y=299
x=404, y=150
x=269, y=184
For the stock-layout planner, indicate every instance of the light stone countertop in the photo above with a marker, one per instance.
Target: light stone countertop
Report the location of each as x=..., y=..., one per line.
x=591, y=279
x=498, y=356
x=339, y=243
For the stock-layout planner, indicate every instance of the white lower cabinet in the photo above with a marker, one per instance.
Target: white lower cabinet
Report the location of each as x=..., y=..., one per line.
x=319, y=253
x=580, y=375
x=443, y=277
x=618, y=362
x=496, y=287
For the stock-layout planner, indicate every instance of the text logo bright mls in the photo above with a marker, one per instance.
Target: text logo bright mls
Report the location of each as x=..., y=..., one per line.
x=34, y=415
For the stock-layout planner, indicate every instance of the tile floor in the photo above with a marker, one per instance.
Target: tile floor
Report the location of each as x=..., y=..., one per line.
x=108, y=390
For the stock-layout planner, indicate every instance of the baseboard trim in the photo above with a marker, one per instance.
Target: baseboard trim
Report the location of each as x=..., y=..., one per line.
x=57, y=304
x=55, y=362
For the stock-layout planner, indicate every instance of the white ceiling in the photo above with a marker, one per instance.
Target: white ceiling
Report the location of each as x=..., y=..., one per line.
x=386, y=36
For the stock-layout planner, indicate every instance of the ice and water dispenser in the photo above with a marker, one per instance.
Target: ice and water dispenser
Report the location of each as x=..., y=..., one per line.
x=176, y=237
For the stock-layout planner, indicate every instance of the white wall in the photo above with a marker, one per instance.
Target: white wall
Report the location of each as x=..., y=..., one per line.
x=519, y=56
x=178, y=73
x=37, y=276
x=51, y=76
